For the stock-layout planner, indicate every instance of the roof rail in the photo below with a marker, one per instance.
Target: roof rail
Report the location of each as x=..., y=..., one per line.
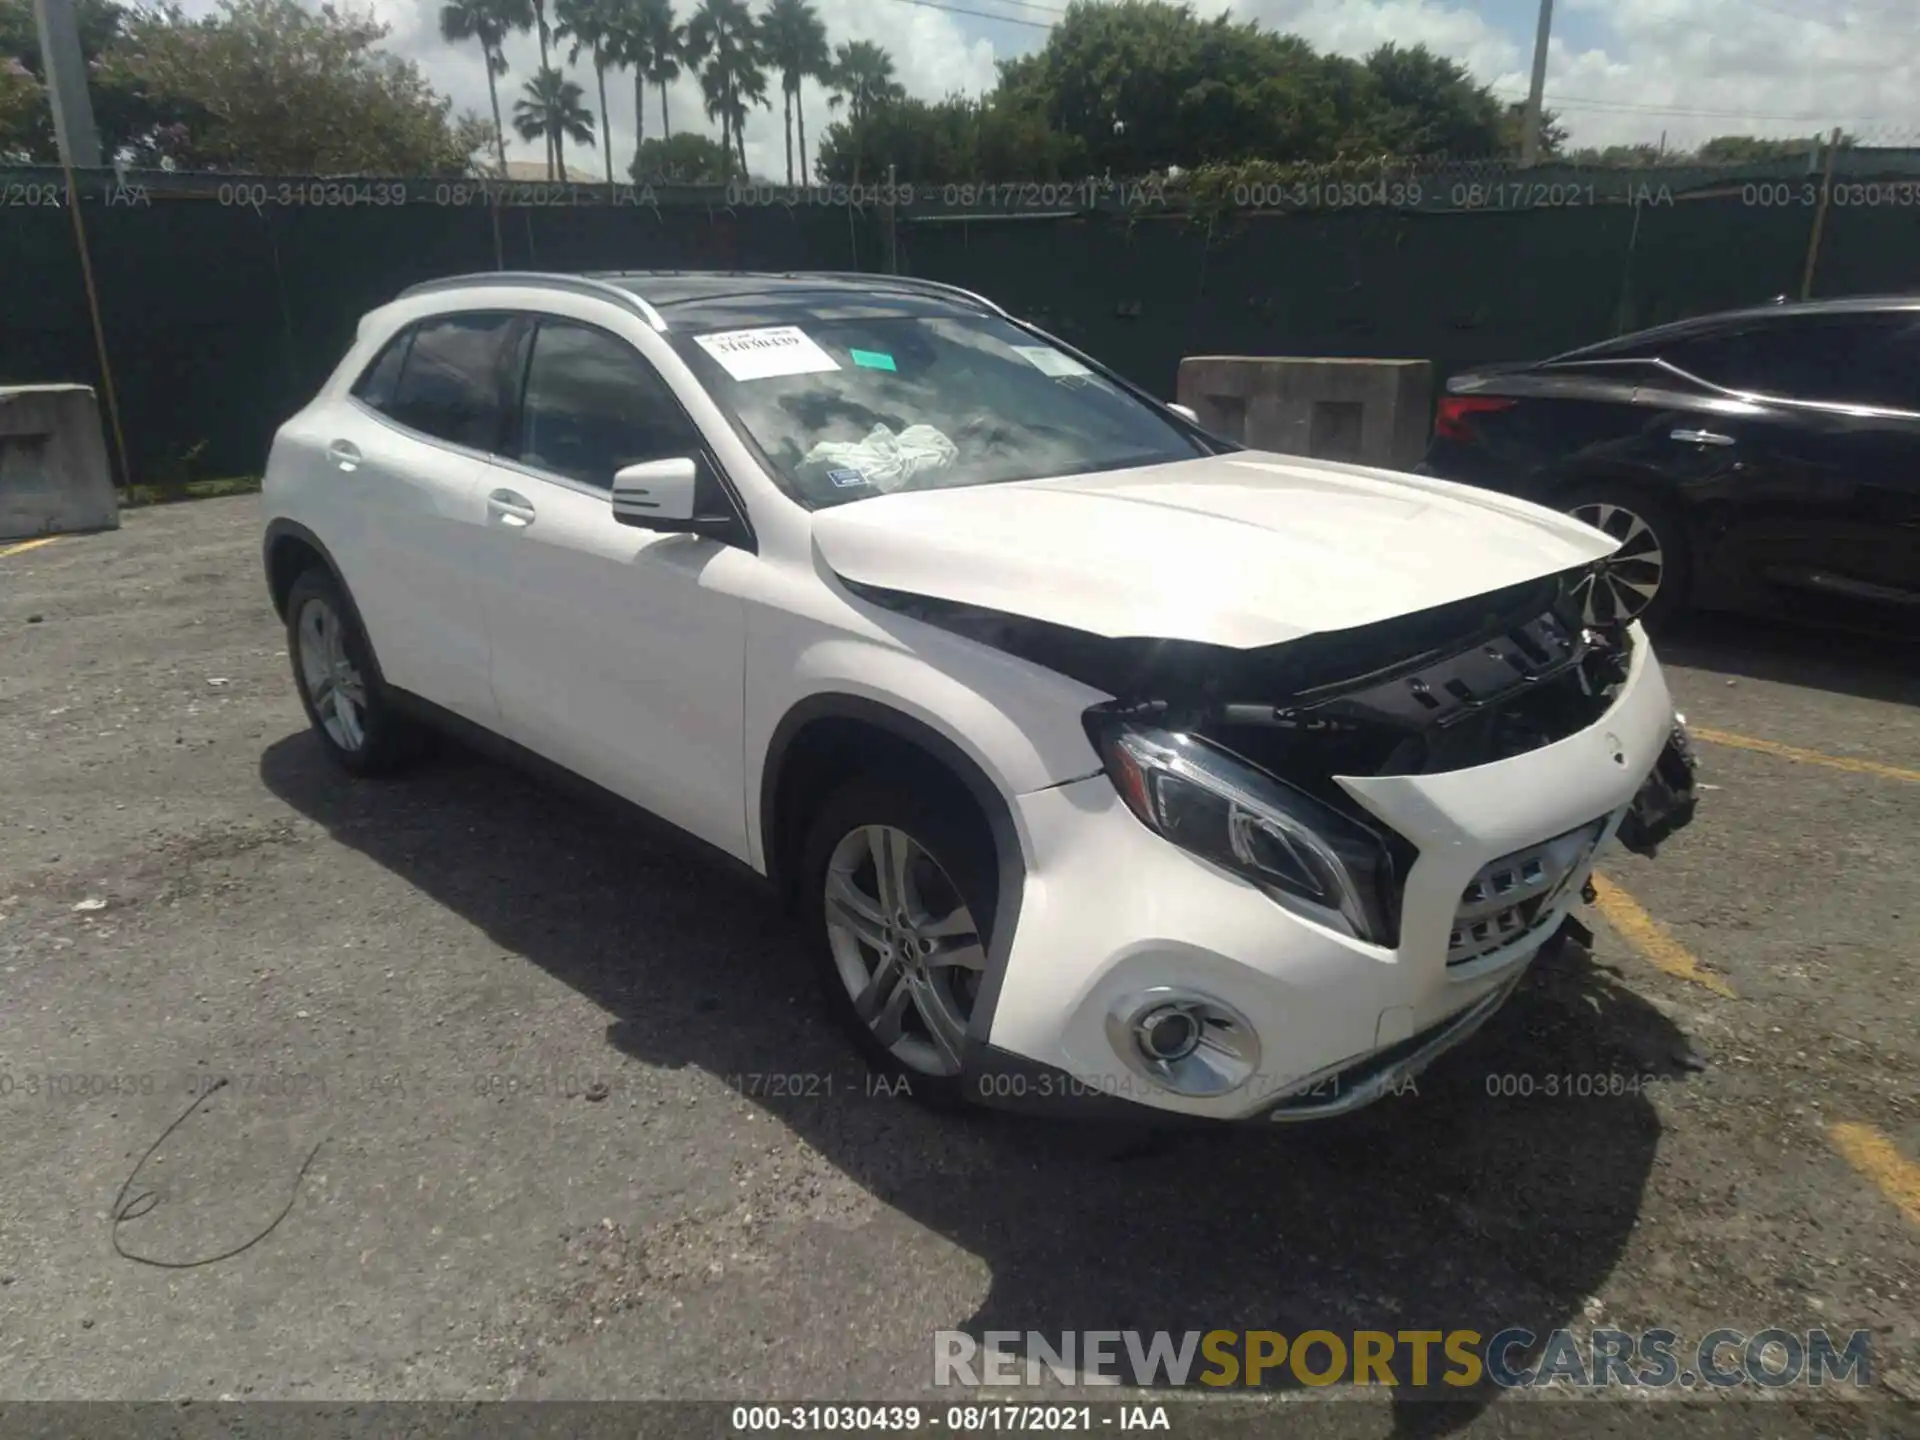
x=909, y=282
x=551, y=280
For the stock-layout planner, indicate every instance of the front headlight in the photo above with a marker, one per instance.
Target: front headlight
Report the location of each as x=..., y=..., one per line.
x=1303, y=853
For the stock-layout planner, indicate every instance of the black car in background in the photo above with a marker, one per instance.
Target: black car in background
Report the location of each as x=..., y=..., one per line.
x=1764, y=460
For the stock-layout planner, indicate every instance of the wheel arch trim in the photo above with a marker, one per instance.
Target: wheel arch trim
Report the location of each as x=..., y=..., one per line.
x=995, y=806
x=281, y=529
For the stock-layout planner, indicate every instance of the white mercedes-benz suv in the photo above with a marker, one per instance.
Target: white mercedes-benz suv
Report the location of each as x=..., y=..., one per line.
x=1103, y=760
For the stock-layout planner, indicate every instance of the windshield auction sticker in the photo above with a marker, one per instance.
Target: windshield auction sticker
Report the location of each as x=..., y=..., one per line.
x=764, y=354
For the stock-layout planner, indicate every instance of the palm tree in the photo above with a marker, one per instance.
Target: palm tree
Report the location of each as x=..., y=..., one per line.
x=724, y=40
x=665, y=47
x=750, y=88
x=718, y=104
x=624, y=43
x=796, y=46
x=862, y=76
x=489, y=22
x=553, y=106
x=539, y=25
x=593, y=25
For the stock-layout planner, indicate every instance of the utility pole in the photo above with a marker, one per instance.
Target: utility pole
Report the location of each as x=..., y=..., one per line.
x=1530, y=135
x=66, y=70
x=889, y=237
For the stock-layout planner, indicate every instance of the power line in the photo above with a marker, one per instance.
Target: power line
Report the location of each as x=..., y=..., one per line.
x=1029, y=5
x=1574, y=102
x=986, y=15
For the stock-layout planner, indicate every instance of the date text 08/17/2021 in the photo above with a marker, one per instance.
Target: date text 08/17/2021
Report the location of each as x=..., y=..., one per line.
x=952, y=1419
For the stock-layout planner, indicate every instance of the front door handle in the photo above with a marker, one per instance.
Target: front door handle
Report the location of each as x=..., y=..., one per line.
x=345, y=454
x=1702, y=437
x=510, y=507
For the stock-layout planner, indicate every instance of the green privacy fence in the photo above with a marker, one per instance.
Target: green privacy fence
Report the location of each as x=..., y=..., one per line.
x=222, y=316
x=1484, y=267
x=226, y=300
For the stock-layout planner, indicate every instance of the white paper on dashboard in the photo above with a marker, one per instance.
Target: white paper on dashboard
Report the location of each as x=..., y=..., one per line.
x=765, y=353
x=1049, y=361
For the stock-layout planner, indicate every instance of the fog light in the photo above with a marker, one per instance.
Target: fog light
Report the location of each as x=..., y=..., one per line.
x=1169, y=1033
x=1185, y=1043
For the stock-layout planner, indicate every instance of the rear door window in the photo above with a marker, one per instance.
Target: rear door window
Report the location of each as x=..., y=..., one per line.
x=1832, y=359
x=1884, y=369
x=452, y=383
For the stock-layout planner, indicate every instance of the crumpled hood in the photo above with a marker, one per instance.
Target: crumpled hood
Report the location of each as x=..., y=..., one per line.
x=1242, y=550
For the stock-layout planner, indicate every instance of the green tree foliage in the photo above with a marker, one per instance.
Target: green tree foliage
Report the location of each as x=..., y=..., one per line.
x=1121, y=87
x=1553, y=135
x=861, y=78
x=22, y=104
x=1135, y=86
x=957, y=139
x=1622, y=157
x=1142, y=84
x=685, y=159
x=269, y=86
x=126, y=115
x=1721, y=150
x=1420, y=103
x=1745, y=149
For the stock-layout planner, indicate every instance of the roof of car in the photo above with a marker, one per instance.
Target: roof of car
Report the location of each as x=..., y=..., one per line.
x=1700, y=324
x=671, y=299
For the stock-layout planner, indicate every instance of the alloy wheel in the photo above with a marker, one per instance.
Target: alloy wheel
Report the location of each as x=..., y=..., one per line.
x=1624, y=584
x=333, y=684
x=905, y=946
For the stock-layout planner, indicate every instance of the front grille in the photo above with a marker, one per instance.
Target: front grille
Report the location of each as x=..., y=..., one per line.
x=1510, y=896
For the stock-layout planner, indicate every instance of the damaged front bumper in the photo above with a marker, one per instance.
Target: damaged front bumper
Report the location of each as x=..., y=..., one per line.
x=1665, y=803
x=1339, y=1021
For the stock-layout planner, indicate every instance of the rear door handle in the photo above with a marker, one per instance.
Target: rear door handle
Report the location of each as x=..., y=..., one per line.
x=1702, y=437
x=510, y=507
x=345, y=454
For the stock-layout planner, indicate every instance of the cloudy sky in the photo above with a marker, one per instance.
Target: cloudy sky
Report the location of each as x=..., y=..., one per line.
x=1618, y=70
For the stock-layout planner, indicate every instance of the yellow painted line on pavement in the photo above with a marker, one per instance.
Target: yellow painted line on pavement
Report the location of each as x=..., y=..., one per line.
x=25, y=545
x=1875, y=1157
x=1805, y=757
x=1651, y=939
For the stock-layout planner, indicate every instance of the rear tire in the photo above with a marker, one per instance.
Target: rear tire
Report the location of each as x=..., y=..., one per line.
x=1647, y=579
x=897, y=897
x=346, y=701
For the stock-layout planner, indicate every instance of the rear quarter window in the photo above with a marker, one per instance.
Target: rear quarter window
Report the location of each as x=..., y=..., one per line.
x=452, y=383
x=379, y=380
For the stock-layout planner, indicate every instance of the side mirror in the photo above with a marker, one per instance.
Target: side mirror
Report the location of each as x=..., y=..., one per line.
x=656, y=494
x=1185, y=412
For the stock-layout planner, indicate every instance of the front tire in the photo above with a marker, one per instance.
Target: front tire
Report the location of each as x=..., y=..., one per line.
x=898, y=899
x=1647, y=578
x=340, y=687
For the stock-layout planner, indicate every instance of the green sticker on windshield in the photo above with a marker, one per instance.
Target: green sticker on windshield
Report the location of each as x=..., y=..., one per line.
x=872, y=359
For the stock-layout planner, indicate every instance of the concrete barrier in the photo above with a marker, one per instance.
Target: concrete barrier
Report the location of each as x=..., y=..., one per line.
x=54, y=475
x=1367, y=412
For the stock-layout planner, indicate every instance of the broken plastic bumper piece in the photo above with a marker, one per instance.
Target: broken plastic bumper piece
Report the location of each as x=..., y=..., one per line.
x=1665, y=803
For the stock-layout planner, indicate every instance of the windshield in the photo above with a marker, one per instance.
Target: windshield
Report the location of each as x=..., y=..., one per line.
x=845, y=409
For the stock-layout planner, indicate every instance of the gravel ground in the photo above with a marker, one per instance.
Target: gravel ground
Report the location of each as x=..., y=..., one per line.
x=523, y=1031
